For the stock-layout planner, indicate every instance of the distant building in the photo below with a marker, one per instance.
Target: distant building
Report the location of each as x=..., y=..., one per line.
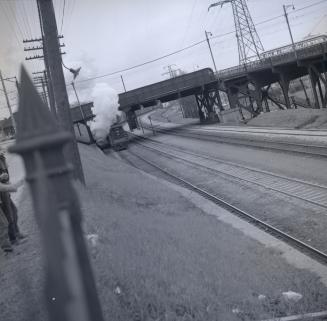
x=7, y=129
x=79, y=116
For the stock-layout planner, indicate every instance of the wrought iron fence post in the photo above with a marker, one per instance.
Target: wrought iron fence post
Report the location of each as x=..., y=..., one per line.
x=70, y=287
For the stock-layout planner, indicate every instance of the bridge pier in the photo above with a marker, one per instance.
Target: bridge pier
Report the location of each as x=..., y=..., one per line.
x=208, y=102
x=265, y=97
x=284, y=82
x=259, y=89
x=131, y=119
x=318, y=79
x=241, y=96
x=232, y=94
x=259, y=94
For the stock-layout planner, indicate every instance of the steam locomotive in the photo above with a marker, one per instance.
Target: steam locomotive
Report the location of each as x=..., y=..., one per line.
x=117, y=138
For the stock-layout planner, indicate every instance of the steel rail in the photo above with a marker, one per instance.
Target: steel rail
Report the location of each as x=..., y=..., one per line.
x=198, y=132
x=166, y=154
x=277, y=233
x=285, y=146
x=180, y=149
x=256, y=131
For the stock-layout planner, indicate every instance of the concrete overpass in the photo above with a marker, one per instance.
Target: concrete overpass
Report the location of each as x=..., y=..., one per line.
x=247, y=86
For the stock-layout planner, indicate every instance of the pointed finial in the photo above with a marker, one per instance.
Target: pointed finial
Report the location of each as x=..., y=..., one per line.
x=36, y=126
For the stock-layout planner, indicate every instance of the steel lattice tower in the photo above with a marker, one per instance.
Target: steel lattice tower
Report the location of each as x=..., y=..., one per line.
x=248, y=41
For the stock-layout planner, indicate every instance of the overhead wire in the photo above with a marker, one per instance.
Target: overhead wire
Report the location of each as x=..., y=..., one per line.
x=192, y=45
x=189, y=21
x=25, y=18
x=180, y=50
x=63, y=16
x=10, y=23
x=28, y=14
x=70, y=7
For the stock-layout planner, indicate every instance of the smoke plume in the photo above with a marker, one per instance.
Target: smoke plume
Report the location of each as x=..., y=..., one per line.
x=105, y=109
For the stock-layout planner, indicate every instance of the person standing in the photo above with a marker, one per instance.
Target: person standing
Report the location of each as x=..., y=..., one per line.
x=7, y=205
x=4, y=237
x=5, y=241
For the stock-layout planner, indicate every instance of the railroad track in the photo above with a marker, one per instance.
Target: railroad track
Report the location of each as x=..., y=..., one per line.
x=277, y=233
x=219, y=137
x=305, y=191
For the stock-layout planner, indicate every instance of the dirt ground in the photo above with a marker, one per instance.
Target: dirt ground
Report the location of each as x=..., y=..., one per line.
x=295, y=118
x=157, y=256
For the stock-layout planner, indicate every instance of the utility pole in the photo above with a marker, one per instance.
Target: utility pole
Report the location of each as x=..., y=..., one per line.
x=78, y=101
x=122, y=80
x=51, y=43
x=285, y=7
x=212, y=57
x=8, y=103
x=83, y=116
x=80, y=107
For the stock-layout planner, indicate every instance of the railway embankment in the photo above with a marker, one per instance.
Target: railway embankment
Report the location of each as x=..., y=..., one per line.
x=309, y=141
x=293, y=119
x=158, y=251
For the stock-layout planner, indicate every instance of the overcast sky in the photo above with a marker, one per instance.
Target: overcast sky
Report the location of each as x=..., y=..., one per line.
x=104, y=36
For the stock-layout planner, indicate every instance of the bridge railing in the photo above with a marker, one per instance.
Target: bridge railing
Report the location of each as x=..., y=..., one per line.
x=304, y=49
x=298, y=46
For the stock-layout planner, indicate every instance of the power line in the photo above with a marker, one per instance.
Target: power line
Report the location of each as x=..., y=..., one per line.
x=308, y=6
x=20, y=29
x=189, y=20
x=63, y=16
x=145, y=63
x=69, y=10
x=10, y=23
x=193, y=45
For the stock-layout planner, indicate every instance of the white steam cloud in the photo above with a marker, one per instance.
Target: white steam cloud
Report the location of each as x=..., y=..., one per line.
x=104, y=98
x=105, y=108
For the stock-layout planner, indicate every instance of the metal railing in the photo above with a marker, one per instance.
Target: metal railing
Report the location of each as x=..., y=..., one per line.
x=282, y=55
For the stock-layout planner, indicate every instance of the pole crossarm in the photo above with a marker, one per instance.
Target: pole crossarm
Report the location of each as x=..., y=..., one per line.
x=39, y=39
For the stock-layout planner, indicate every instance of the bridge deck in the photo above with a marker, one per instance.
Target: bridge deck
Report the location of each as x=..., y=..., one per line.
x=193, y=83
x=167, y=90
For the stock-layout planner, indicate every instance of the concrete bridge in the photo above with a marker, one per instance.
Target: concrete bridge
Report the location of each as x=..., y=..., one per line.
x=247, y=86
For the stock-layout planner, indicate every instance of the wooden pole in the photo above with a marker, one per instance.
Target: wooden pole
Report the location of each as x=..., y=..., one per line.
x=8, y=102
x=51, y=43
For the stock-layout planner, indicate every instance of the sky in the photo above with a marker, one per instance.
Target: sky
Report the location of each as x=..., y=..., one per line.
x=105, y=36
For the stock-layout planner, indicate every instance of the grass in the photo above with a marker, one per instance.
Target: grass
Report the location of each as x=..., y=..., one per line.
x=159, y=257
x=170, y=261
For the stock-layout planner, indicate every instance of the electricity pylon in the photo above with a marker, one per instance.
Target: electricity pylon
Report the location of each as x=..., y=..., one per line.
x=248, y=41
